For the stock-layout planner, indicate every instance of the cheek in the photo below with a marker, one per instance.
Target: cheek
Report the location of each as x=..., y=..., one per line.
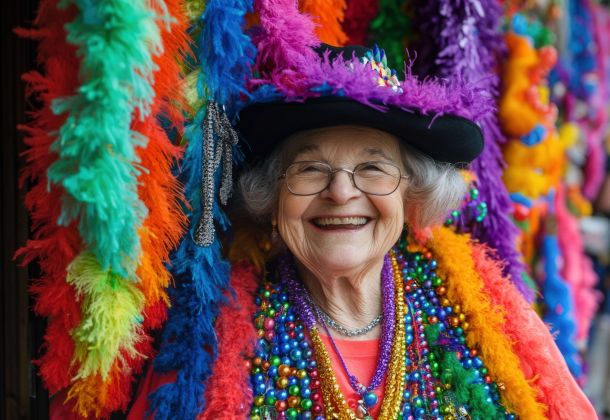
x=391, y=217
x=291, y=207
x=391, y=209
x=290, y=211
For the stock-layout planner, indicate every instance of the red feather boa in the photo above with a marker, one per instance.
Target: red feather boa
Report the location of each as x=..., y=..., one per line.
x=228, y=394
x=52, y=246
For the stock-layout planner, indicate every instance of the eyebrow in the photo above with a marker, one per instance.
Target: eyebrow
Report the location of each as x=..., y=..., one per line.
x=373, y=151
x=305, y=149
x=377, y=152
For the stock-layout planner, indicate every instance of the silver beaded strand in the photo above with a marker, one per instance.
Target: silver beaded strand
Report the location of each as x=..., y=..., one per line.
x=216, y=123
x=346, y=331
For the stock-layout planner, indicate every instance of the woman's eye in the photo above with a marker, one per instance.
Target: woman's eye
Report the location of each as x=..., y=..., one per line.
x=372, y=167
x=312, y=168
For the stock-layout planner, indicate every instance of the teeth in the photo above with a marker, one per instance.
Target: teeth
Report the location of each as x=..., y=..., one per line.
x=328, y=221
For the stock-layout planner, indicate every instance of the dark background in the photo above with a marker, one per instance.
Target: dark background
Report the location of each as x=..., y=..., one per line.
x=22, y=394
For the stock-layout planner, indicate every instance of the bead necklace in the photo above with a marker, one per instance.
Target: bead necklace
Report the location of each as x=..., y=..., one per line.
x=344, y=330
x=291, y=372
x=367, y=397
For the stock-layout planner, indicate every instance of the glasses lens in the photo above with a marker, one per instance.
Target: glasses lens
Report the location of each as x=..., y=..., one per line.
x=377, y=178
x=305, y=178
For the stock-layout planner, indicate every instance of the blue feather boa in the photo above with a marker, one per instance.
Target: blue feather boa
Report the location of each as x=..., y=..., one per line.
x=558, y=298
x=201, y=275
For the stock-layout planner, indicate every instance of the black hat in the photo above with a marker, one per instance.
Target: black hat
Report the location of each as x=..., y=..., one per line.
x=425, y=123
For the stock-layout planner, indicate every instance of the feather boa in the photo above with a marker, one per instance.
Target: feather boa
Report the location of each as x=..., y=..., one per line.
x=52, y=246
x=358, y=15
x=237, y=337
x=355, y=80
x=226, y=54
x=96, y=150
x=598, y=120
x=577, y=66
x=162, y=227
x=189, y=344
x=464, y=286
x=577, y=268
x=559, y=304
x=285, y=41
x=463, y=40
x=96, y=146
x=327, y=16
x=527, y=331
x=200, y=275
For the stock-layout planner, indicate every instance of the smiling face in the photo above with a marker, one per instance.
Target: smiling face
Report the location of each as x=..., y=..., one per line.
x=341, y=230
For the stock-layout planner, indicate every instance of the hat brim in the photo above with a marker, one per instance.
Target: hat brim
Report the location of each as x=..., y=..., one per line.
x=445, y=138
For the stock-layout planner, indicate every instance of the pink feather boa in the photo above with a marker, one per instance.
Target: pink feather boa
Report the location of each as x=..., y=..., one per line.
x=577, y=268
x=285, y=42
x=540, y=358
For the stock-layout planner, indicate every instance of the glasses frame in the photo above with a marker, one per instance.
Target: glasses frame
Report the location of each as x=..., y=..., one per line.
x=333, y=171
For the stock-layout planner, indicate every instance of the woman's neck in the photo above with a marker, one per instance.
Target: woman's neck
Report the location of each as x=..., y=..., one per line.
x=353, y=300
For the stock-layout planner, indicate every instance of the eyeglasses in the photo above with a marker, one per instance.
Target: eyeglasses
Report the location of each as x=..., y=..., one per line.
x=313, y=177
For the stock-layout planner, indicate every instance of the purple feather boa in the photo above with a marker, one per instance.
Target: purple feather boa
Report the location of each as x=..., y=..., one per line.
x=462, y=38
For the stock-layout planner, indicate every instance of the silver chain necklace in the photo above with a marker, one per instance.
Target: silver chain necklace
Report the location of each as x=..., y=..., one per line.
x=345, y=331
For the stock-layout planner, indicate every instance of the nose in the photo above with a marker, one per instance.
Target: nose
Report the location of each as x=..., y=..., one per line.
x=341, y=188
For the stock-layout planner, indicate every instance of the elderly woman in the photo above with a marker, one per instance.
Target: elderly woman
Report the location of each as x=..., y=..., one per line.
x=354, y=317
x=342, y=199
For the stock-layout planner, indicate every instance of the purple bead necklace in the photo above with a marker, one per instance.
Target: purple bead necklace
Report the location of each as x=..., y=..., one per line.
x=308, y=312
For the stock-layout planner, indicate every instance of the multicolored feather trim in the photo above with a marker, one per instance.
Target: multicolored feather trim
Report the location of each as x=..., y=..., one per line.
x=96, y=149
x=162, y=228
x=465, y=287
x=353, y=79
x=107, y=346
x=51, y=246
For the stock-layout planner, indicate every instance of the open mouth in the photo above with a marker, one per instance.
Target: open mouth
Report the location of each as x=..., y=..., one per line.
x=335, y=223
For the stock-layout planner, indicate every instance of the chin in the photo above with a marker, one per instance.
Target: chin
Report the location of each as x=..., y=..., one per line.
x=344, y=259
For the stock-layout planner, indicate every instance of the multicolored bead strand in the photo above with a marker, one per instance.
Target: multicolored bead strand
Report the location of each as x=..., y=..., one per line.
x=284, y=373
x=472, y=212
